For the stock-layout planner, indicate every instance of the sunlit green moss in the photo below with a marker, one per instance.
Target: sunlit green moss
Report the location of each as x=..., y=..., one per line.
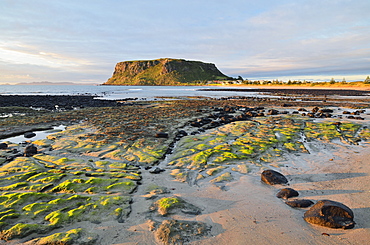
x=167, y=203
x=22, y=230
x=62, y=238
x=222, y=178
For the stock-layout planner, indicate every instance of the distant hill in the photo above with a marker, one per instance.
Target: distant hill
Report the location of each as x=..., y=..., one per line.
x=164, y=72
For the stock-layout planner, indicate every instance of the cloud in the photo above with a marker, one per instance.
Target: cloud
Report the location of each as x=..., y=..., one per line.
x=85, y=39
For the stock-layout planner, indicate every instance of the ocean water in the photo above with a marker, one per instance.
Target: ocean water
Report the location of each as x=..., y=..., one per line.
x=119, y=92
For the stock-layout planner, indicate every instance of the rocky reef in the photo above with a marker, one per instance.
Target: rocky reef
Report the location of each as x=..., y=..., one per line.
x=164, y=72
x=115, y=166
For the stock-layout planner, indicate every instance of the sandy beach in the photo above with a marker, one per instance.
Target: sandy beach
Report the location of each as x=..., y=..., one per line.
x=212, y=175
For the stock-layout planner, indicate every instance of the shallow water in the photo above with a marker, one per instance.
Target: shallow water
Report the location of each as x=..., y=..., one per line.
x=39, y=135
x=119, y=92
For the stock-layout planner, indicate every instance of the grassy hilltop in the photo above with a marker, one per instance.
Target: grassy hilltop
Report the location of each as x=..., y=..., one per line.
x=164, y=72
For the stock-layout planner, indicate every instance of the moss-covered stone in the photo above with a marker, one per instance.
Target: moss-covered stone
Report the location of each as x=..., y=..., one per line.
x=74, y=236
x=225, y=177
x=22, y=230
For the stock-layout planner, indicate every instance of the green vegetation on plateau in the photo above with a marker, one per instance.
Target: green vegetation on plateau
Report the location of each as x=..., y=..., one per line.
x=164, y=72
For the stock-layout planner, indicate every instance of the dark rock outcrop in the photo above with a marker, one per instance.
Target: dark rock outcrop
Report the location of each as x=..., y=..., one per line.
x=30, y=150
x=3, y=146
x=161, y=135
x=163, y=72
x=29, y=135
x=330, y=214
x=272, y=177
x=299, y=203
x=287, y=193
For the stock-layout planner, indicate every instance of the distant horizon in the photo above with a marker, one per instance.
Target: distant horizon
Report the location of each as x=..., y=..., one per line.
x=258, y=79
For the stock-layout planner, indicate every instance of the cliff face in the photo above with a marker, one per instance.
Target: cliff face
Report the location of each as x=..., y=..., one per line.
x=164, y=72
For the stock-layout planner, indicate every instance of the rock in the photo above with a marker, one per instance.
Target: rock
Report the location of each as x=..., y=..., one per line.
x=173, y=205
x=3, y=146
x=299, y=203
x=272, y=177
x=315, y=109
x=181, y=133
x=181, y=231
x=29, y=135
x=272, y=112
x=156, y=170
x=326, y=111
x=30, y=150
x=330, y=214
x=287, y=193
x=161, y=135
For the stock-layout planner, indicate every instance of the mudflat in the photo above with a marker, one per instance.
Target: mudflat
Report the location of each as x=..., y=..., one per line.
x=185, y=171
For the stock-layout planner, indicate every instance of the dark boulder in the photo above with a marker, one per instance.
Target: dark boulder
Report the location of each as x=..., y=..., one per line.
x=3, y=146
x=287, y=193
x=272, y=177
x=326, y=111
x=272, y=112
x=30, y=150
x=315, y=109
x=299, y=203
x=156, y=170
x=330, y=214
x=29, y=135
x=161, y=135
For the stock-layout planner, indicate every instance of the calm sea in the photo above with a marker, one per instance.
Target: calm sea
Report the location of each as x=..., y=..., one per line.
x=118, y=92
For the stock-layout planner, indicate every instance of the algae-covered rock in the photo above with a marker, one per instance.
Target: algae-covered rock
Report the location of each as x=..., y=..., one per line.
x=168, y=205
x=22, y=230
x=330, y=214
x=181, y=232
x=71, y=237
x=225, y=177
x=153, y=191
x=241, y=168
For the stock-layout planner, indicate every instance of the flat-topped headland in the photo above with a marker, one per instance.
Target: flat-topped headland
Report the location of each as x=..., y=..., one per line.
x=164, y=72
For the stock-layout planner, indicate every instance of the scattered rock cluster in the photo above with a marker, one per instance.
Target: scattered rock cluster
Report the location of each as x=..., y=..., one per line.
x=54, y=102
x=326, y=213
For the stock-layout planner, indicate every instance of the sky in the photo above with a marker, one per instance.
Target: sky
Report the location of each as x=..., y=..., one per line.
x=81, y=41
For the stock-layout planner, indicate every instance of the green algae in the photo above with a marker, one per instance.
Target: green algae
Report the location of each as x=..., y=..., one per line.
x=20, y=164
x=14, y=186
x=22, y=230
x=214, y=171
x=225, y=177
x=74, y=236
x=61, y=238
x=15, y=200
x=322, y=131
x=179, y=174
x=365, y=134
x=43, y=143
x=126, y=186
x=8, y=214
x=166, y=203
x=46, y=177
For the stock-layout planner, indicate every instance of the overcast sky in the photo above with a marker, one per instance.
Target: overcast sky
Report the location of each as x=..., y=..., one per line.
x=82, y=40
